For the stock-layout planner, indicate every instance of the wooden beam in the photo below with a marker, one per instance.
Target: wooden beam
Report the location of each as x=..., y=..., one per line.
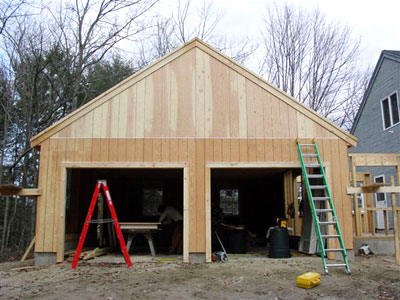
x=375, y=159
x=374, y=185
x=22, y=192
x=384, y=189
x=381, y=208
x=186, y=215
x=123, y=165
x=395, y=226
x=29, y=248
x=208, y=213
x=375, y=237
x=62, y=197
x=96, y=252
x=355, y=198
x=254, y=165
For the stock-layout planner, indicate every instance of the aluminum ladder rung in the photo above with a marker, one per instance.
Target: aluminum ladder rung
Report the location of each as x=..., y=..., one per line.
x=310, y=155
x=329, y=236
x=306, y=145
x=336, y=265
x=317, y=187
x=315, y=176
x=320, y=198
x=327, y=223
x=323, y=210
x=334, y=250
x=312, y=165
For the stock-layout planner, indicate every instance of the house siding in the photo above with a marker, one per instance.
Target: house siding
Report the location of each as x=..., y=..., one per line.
x=372, y=138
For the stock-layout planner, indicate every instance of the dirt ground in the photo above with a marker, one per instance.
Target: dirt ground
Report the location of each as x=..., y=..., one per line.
x=242, y=277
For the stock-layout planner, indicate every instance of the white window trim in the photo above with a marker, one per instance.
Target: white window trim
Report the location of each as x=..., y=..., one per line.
x=376, y=194
x=390, y=111
x=361, y=195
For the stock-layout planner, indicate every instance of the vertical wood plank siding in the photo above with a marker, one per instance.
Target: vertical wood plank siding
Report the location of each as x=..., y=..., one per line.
x=196, y=110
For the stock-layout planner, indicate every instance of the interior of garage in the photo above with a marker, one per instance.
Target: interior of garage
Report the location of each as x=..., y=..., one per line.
x=245, y=203
x=136, y=195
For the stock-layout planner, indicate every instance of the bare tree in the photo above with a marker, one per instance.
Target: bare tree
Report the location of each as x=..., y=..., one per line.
x=88, y=30
x=312, y=59
x=191, y=19
x=201, y=24
x=9, y=9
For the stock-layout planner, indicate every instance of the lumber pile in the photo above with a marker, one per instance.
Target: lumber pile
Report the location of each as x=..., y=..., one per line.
x=88, y=253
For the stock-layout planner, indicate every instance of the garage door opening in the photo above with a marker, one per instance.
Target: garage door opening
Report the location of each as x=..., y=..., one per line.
x=245, y=202
x=137, y=193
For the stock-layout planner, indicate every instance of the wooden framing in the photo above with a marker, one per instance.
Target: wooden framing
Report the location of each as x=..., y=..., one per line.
x=373, y=160
x=77, y=165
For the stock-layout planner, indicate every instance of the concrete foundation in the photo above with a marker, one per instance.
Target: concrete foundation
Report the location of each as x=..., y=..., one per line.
x=377, y=246
x=45, y=259
x=197, y=258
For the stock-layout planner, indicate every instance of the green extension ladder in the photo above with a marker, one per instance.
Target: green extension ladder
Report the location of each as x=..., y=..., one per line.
x=316, y=181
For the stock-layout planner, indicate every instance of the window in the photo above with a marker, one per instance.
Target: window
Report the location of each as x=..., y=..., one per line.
x=380, y=197
x=390, y=111
x=152, y=198
x=229, y=201
x=360, y=197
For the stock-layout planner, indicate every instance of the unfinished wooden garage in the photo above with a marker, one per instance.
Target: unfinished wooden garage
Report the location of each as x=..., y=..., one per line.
x=199, y=123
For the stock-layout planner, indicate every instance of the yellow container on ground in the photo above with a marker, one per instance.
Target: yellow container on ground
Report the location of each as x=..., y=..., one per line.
x=308, y=280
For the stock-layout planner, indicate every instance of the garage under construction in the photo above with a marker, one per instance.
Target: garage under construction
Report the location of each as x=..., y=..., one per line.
x=194, y=131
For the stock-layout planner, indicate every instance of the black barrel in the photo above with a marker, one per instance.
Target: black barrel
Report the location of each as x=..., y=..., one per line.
x=279, y=243
x=237, y=241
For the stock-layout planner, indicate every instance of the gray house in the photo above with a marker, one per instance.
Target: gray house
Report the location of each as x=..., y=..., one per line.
x=377, y=124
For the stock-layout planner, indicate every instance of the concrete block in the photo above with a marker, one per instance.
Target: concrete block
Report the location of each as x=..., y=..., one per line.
x=45, y=258
x=197, y=258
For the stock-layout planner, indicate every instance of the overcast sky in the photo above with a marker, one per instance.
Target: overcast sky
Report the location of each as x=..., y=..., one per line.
x=377, y=22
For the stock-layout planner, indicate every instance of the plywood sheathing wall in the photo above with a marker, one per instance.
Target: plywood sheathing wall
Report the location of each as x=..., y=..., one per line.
x=194, y=109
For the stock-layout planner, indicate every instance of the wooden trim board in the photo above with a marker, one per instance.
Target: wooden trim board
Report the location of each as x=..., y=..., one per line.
x=63, y=188
x=383, y=189
x=123, y=165
x=186, y=215
x=208, y=214
x=292, y=165
x=213, y=165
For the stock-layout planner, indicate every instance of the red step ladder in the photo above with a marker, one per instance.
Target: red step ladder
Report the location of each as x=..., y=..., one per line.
x=114, y=220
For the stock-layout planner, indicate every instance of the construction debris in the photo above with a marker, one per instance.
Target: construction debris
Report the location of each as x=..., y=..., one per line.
x=96, y=252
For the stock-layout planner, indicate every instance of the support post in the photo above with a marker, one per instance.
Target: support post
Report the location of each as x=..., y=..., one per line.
x=355, y=198
x=395, y=225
